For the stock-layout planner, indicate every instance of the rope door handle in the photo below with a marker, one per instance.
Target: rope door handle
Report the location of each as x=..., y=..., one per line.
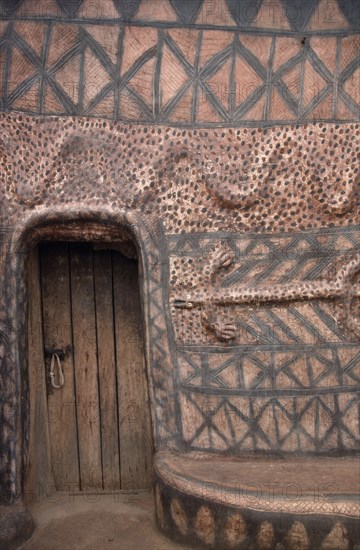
x=61, y=377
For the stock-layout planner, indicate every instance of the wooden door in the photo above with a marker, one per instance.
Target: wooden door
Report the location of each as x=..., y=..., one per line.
x=99, y=420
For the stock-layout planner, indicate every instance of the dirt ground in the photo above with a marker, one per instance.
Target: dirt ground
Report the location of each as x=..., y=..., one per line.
x=94, y=522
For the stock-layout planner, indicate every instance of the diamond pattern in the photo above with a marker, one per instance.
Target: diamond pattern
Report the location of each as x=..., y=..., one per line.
x=240, y=424
x=290, y=381
x=178, y=75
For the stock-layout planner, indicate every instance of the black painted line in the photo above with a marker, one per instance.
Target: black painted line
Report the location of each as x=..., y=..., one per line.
x=144, y=58
x=157, y=100
x=172, y=104
x=101, y=55
x=189, y=68
x=82, y=76
x=8, y=59
x=232, y=87
x=98, y=98
x=75, y=50
x=327, y=320
x=317, y=100
x=44, y=55
x=336, y=77
x=22, y=88
x=147, y=109
x=118, y=64
x=180, y=25
x=249, y=103
x=269, y=80
x=283, y=235
x=257, y=348
x=270, y=393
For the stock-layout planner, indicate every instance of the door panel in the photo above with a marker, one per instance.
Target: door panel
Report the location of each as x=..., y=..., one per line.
x=134, y=420
x=99, y=423
x=107, y=369
x=86, y=367
x=55, y=288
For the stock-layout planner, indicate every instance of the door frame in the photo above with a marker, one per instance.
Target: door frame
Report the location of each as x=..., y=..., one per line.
x=92, y=225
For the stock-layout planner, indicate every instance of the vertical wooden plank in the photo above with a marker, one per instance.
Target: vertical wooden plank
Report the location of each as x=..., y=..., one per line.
x=57, y=334
x=39, y=477
x=134, y=413
x=86, y=370
x=107, y=372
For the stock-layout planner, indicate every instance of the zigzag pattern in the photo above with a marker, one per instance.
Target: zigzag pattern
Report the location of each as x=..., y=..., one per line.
x=278, y=14
x=178, y=76
x=258, y=372
x=235, y=424
x=290, y=379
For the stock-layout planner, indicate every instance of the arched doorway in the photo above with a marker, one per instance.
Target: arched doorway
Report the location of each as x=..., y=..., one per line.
x=93, y=433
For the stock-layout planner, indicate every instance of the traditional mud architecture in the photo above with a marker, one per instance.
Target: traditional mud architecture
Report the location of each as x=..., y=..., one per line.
x=217, y=144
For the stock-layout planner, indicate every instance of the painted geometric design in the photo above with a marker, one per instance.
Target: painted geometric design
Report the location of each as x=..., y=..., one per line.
x=282, y=258
x=298, y=15
x=333, y=369
x=290, y=423
x=290, y=380
x=198, y=75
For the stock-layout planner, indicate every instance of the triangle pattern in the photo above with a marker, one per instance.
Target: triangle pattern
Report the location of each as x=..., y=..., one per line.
x=327, y=16
x=308, y=419
x=186, y=9
x=68, y=78
x=29, y=101
x=52, y=104
x=173, y=76
x=48, y=8
x=3, y=26
x=127, y=8
x=135, y=44
x=298, y=12
x=343, y=112
x=257, y=110
x=96, y=76
x=9, y=6
x=278, y=108
x=142, y=81
x=69, y=7
x=351, y=10
x=107, y=36
x=105, y=107
x=292, y=80
x=215, y=13
x=271, y=15
x=313, y=83
x=350, y=47
x=214, y=42
x=351, y=419
x=352, y=86
x=63, y=38
x=186, y=41
x=247, y=80
x=243, y=13
x=32, y=33
x=97, y=10
x=205, y=111
x=322, y=110
x=189, y=411
x=325, y=49
x=219, y=83
x=21, y=68
x=285, y=49
x=259, y=46
x=163, y=12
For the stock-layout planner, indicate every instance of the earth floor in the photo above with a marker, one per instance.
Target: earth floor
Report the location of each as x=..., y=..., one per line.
x=93, y=522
